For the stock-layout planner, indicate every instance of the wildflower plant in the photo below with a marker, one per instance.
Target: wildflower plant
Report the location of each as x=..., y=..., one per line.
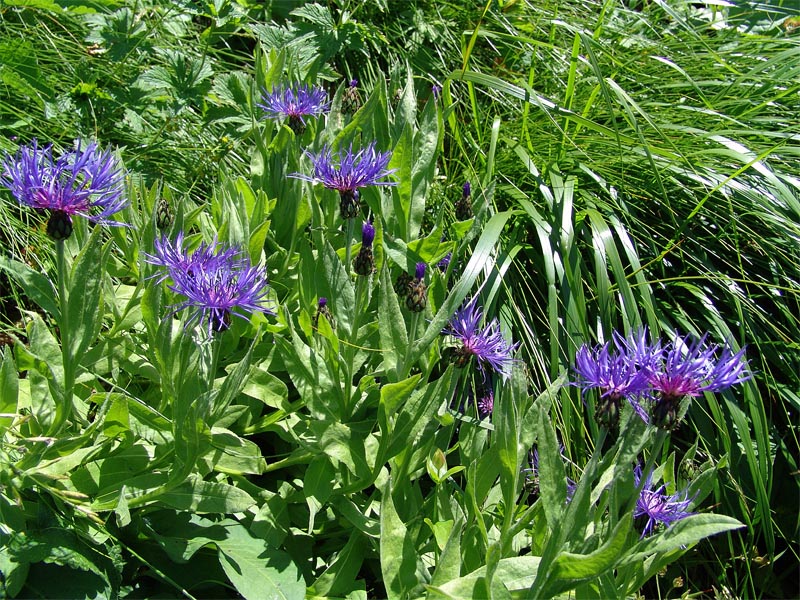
x=221, y=457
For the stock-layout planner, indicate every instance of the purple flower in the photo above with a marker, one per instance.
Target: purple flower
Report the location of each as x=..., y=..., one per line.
x=348, y=172
x=486, y=344
x=617, y=373
x=436, y=89
x=176, y=259
x=657, y=505
x=295, y=103
x=686, y=369
x=445, y=262
x=419, y=271
x=217, y=281
x=367, y=234
x=85, y=181
x=485, y=404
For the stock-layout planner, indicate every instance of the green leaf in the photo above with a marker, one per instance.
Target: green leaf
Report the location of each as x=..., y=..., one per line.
x=36, y=286
x=552, y=478
x=339, y=579
x=9, y=389
x=398, y=556
x=199, y=496
x=392, y=327
x=257, y=570
x=84, y=305
x=568, y=570
x=516, y=574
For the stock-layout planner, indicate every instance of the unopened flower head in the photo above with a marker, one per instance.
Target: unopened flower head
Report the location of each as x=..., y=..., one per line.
x=687, y=369
x=364, y=262
x=347, y=172
x=295, y=103
x=487, y=344
x=217, y=282
x=85, y=181
x=657, y=505
x=323, y=311
x=417, y=297
x=463, y=205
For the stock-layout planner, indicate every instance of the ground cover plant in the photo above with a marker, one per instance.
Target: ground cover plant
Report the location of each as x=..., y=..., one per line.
x=322, y=300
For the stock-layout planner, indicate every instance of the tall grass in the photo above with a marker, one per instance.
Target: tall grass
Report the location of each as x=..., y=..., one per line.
x=650, y=156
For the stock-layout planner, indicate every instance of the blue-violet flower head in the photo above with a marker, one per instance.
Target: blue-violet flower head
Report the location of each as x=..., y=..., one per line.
x=367, y=234
x=86, y=181
x=487, y=344
x=348, y=171
x=295, y=102
x=657, y=505
x=217, y=281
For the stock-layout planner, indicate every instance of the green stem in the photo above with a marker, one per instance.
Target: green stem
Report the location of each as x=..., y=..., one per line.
x=63, y=404
x=351, y=226
x=351, y=346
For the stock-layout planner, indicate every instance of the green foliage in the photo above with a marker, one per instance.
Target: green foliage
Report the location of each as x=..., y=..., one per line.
x=630, y=166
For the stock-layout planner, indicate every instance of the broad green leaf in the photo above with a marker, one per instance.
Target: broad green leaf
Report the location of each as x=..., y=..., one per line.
x=398, y=556
x=85, y=305
x=257, y=570
x=569, y=569
x=339, y=579
x=516, y=574
x=392, y=328
x=36, y=286
x=9, y=389
x=199, y=496
x=552, y=478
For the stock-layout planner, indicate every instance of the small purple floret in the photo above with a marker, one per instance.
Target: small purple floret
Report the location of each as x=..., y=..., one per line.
x=657, y=505
x=367, y=234
x=419, y=271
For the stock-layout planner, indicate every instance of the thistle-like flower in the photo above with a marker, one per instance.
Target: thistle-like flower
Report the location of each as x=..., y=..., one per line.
x=485, y=404
x=487, y=344
x=217, y=282
x=657, y=505
x=618, y=373
x=349, y=172
x=295, y=103
x=687, y=369
x=85, y=181
x=364, y=262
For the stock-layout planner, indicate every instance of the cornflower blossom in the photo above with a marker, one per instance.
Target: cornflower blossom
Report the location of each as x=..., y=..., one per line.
x=686, y=369
x=348, y=172
x=657, y=505
x=295, y=103
x=487, y=344
x=85, y=181
x=617, y=374
x=485, y=404
x=176, y=259
x=217, y=282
